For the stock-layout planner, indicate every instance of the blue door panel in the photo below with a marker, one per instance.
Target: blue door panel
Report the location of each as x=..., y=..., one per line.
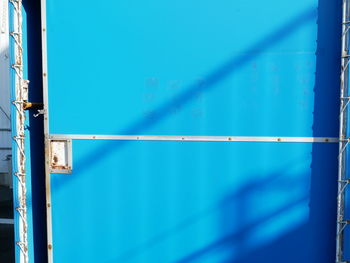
x=189, y=67
x=220, y=68
x=190, y=202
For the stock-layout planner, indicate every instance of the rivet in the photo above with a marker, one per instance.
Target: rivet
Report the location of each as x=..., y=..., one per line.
x=279, y=139
x=49, y=246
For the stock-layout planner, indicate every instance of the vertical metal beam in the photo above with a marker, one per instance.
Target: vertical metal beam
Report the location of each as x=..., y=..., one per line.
x=343, y=136
x=46, y=133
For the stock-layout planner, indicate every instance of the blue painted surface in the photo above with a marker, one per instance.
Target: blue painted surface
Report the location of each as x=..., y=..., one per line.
x=182, y=68
x=192, y=202
x=257, y=68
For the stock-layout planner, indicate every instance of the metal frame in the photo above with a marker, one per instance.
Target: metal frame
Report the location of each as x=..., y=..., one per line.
x=193, y=138
x=6, y=221
x=18, y=122
x=67, y=169
x=344, y=140
x=45, y=112
x=49, y=137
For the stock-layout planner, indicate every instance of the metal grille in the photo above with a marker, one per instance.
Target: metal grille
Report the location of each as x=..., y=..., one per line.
x=19, y=153
x=344, y=140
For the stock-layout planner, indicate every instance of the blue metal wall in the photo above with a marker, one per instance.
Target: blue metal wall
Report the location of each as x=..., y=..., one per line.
x=233, y=68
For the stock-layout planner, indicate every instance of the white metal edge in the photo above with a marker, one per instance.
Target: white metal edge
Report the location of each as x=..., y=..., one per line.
x=46, y=132
x=194, y=138
x=6, y=221
x=343, y=116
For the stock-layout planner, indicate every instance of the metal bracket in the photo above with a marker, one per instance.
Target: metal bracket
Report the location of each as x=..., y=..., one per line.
x=32, y=105
x=39, y=112
x=61, y=156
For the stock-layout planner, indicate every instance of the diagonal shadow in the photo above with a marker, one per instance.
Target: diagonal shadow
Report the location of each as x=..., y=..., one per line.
x=317, y=214
x=237, y=235
x=218, y=75
x=244, y=190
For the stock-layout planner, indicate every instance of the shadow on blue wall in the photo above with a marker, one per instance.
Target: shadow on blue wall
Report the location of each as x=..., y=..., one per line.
x=303, y=241
x=220, y=74
x=38, y=202
x=246, y=238
x=265, y=238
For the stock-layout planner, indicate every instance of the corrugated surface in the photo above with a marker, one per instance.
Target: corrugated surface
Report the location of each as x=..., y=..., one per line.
x=195, y=68
x=193, y=202
x=223, y=68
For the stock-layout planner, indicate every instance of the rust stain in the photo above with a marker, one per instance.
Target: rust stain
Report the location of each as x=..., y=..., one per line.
x=60, y=167
x=55, y=160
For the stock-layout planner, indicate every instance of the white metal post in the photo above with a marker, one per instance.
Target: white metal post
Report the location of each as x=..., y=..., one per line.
x=343, y=181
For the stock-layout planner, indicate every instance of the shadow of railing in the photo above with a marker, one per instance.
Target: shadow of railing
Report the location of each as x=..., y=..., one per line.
x=235, y=218
x=323, y=116
x=325, y=124
x=221, y=73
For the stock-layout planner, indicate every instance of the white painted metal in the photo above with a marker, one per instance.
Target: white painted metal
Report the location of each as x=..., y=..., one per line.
x=19, y=153
x=61, y=156
x=193, y=138
x=6, y=221
x=343, y=136
x=46, y=133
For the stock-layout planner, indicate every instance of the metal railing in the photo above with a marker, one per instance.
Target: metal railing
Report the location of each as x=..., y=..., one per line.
x=344, y=140
x=19, y=131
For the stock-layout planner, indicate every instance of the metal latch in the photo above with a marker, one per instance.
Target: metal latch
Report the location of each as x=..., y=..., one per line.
x=61, y=156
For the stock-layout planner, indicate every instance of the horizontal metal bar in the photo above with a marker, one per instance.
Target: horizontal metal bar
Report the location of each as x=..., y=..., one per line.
x=193, y=138
x=6, y=221
x=5, y=148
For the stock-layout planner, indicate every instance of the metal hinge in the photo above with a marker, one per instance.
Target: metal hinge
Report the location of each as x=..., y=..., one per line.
x=60, y=156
